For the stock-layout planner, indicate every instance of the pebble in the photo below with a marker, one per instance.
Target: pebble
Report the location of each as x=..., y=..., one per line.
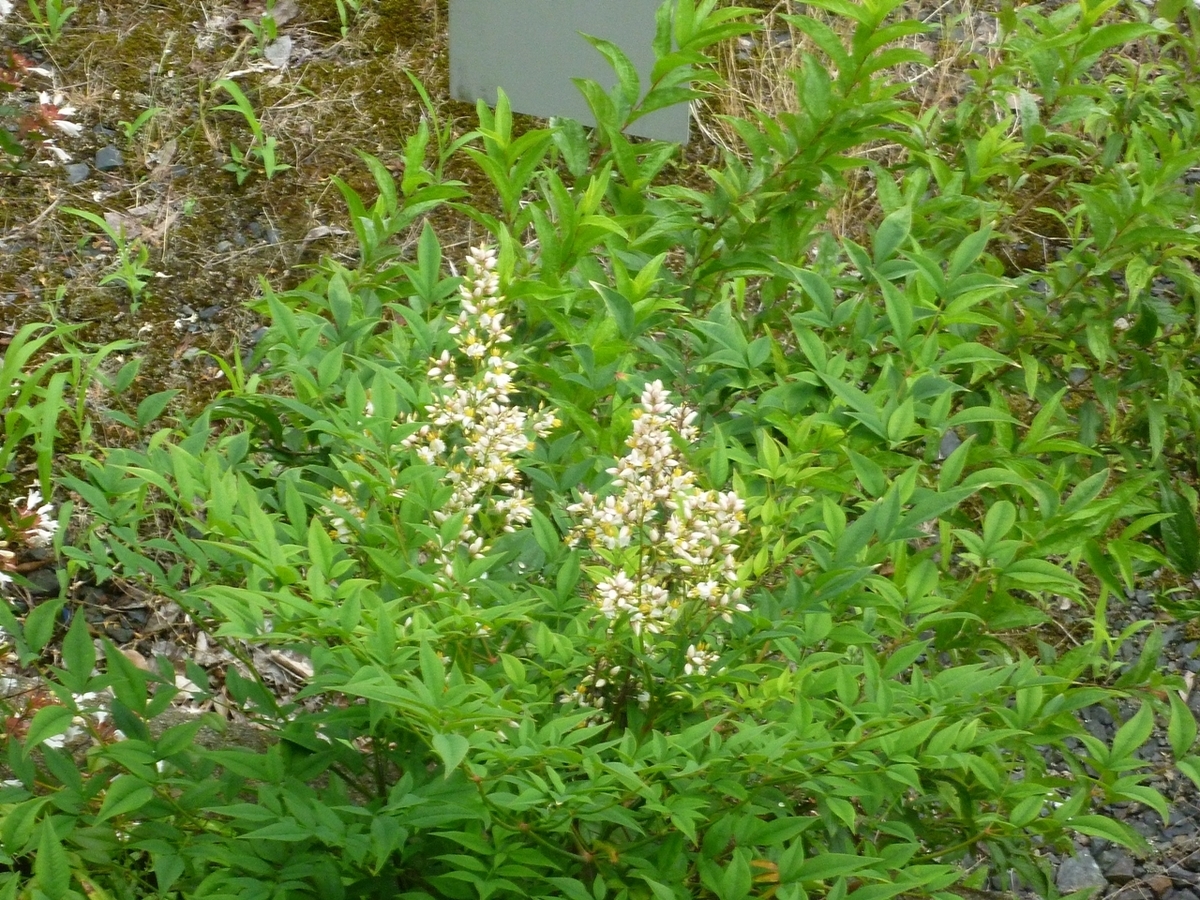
x=1079, y=872
x=1159, y=884
x=950, y=443
x=109, y=158
x=43, y=582
x=1117, y=865
x=77, y=172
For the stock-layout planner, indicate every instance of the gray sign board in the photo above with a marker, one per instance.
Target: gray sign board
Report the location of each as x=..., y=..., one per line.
x=532, y=49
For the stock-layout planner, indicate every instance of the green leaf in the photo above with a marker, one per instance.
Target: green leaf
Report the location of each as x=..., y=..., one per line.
x=892, y=232
x=1181, y=539
x=870, y=475
x=619, y=308
x=51, y=868
x=833, y=865
x=1181, y=730
x=1190, y=766
x=546, y=535
x=1117, y=832
x=39, y=624
x=967, y=252
x=126, y=794
x=167, y=869
x=628, y=83
x=451, y=748
x=1113, y=36
x=79, y=655
x=47, y=722
x=152, y=407
x=1133, y=733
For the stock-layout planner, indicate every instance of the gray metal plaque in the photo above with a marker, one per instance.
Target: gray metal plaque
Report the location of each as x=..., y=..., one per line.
x=532, y=49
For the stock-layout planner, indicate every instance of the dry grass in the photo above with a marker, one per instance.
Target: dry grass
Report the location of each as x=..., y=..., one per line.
x=960, y=35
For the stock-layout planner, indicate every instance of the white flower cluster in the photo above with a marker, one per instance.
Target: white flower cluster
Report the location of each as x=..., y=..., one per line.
x=667, y=540
x=32, y=524
x=343, y=506
x=472, y=429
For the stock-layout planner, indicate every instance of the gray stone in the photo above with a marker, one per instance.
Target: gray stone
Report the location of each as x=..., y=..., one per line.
x=77, y=172
x=1079, y=872
x=109, y=158
x=279, y=52
x=1117, y=865
x=43, y=582
x=950, y=443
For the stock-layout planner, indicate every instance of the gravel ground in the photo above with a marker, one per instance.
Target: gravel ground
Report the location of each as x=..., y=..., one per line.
x=1172, y=870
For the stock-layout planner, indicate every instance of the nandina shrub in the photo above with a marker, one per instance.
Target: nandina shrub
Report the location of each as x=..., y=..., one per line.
x=520, y=686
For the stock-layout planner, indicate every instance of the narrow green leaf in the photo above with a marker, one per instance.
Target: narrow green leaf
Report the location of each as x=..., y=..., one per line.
x=79, y=654
x=833, y=865
x=1133, y=734
x=1181, y=538
x=1181, y=730
x=51, y=868
x=892, y=232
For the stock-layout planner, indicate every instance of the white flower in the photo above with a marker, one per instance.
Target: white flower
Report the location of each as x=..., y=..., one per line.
x=6, y=8
x=698, y=660
x=472, y=429
x=665, y=541
x=39, y=533
x=56, y=111
x=346, y=509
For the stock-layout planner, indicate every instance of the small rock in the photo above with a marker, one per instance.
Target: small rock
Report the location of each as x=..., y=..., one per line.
x=1079, y=872
x=950, y=442
x=224, y=246
x=1159, y=884
x=1117, y=865
x=121, y=634
x=43, y=582
x=1182, y=826
x=279, y=51
x=109, y=158
x=77, y=172
x=103, y=131
x=1184, y=894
